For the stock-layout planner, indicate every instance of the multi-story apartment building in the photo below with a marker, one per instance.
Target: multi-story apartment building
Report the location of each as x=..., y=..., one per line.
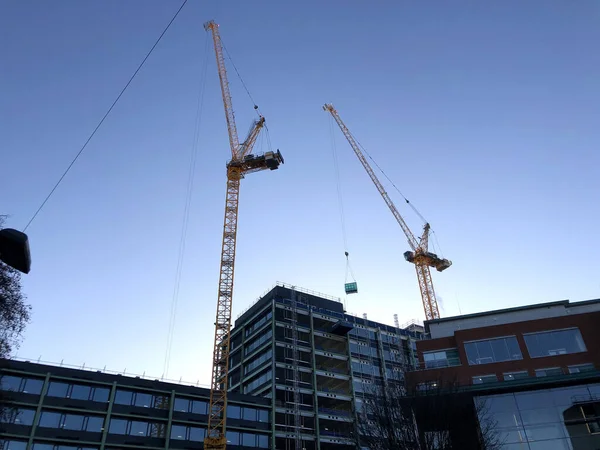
x=301, y=349
x=56, y=408
x=533, y=368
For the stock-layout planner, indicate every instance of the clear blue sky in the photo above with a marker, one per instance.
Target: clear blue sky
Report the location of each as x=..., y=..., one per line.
x=485, y=114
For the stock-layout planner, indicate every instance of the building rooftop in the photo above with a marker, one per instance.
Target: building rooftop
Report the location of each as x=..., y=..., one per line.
x=446, y=326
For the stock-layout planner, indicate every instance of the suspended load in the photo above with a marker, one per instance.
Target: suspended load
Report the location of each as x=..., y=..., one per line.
x=352, y=287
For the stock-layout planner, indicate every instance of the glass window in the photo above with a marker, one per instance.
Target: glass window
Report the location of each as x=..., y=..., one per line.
x=161, y=401
x=73, y=422
x=101, y=394
x=50, y=419
x=139, y=428
x=197, y=434
x=550, y=372
x=533, y=400
x=233, y=437
x=556, y=342
x=493, y=350
x=57, y=389
x=263, y=441
x=580, y=368
x=233, y=412
x=33, y=386
x=10, y=383
x=485, y=379
x=118, y=426
x=249, y=414
x=95, y=424
x=14, y=445
x=123, y=397
x=263, y=415
x=441, y=358
x=19, y=416
x=81, y=392
x=199, y=407
x=181, y=404
x=38, y=446
x=178, y=432
x=143, y=399
x=509, y=376
x=249, y=439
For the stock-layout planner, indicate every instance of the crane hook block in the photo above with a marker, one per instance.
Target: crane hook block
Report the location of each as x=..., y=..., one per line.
x=351, y=288
x=346, y=253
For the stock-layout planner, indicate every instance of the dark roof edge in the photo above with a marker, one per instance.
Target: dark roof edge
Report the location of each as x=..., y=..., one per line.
x=565, y=303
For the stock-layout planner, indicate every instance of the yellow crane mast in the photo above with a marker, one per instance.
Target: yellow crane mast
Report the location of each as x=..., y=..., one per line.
x=420, y=256
x=242, y=162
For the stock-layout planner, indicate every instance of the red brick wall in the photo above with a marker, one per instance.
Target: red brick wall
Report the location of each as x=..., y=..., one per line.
x=588, y=324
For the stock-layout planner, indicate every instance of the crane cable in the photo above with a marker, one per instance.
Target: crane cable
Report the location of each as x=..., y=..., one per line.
x=416, y=211
x=256, y=108
x=340, y=201
x=83, y=147
x=186, y=212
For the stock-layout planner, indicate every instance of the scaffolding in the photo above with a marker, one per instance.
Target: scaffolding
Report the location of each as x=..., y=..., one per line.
x=295, y=372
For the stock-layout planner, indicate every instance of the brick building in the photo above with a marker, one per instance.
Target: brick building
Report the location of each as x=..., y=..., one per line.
x=534, y=368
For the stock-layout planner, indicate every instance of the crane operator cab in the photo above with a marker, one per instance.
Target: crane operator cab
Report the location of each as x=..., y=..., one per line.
x=273, y=159
x=430, y=259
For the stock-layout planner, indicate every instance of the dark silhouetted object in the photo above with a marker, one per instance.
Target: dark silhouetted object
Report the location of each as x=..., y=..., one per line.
x=14, y=249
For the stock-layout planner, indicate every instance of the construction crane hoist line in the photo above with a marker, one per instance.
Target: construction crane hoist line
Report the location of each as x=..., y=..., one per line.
x=242, y=162
x=419, y=255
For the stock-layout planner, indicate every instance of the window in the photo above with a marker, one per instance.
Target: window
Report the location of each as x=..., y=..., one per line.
x=178, y=432
x=551, y=372
x=181, y=404
x=95, y=424
x=556, y=342
x=138, y=428
x=13, y=445
x=10, y=383
x=199, y=407
x=187, y=433
x=233, y=437
x=263, y=415
x=257, y=361
x=234, y=412
x=493, y=350
x=38, y=446
x=123, y=397
x=80, y=392
x=18, y=416
x=100, y=394
x=258, y=342
x=263, y=441
x=509, y=376
x=441, y=358
x=50, y=419
x=580, y=368
x=73, y=422
x=118, y=426
x=485, y=379
x=257, y=382
x=57, y=389
x=143, y=400
x=196, y=434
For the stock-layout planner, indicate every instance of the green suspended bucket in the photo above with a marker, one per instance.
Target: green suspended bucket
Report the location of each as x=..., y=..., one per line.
x=351, y=288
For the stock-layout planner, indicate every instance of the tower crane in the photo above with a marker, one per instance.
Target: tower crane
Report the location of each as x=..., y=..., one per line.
x=242, y=162
x=419, y=255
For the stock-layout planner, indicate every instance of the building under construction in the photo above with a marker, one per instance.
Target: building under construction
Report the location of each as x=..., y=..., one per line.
x=301, y=349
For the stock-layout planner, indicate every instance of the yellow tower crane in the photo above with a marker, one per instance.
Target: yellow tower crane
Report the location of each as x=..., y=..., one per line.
x=242, y=162
x=420, y=256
